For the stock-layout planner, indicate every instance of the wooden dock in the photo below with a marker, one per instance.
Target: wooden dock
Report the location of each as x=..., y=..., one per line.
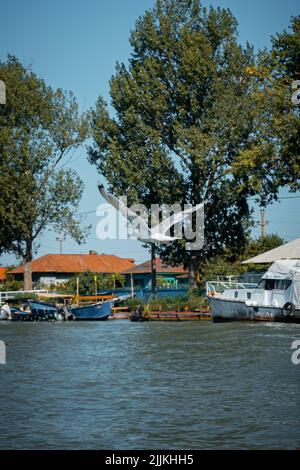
x=120, y=313
x=123, y=313
x=186, y=315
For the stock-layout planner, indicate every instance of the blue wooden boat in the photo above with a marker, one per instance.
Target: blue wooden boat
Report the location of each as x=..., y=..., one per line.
x=41, y=310
x=19, y=315
x=100, y=311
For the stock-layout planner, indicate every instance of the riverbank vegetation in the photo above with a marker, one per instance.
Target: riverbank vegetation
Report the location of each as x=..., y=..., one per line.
x=89, y=283
x=227, y=264
x=193, y=300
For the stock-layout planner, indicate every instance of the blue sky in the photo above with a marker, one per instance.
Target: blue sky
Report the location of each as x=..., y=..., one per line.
x=74, y=45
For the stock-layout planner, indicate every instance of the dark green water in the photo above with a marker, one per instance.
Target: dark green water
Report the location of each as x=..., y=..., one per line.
x=120, y=385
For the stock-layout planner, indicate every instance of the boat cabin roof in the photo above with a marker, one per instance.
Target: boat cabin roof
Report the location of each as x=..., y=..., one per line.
x=284, y=269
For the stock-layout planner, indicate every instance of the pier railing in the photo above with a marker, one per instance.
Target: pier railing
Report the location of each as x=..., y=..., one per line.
x=219, y=286
x=13, y=293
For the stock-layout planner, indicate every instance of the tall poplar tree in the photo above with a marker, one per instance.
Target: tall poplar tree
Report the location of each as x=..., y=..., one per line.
x=189, y=95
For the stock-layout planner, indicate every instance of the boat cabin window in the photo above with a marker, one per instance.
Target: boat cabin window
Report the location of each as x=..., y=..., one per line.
x=275, y=284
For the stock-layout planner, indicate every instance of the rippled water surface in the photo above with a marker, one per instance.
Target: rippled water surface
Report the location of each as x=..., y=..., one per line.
x=122, y=385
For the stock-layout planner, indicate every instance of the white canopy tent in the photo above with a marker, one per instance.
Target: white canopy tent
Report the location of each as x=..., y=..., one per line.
x=288, y=251
x=283, y=269
x=288, y=270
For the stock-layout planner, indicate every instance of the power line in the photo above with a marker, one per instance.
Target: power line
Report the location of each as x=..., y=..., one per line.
x=283, y=222
x=249, y=199
x=278, y=199
x=74, y=252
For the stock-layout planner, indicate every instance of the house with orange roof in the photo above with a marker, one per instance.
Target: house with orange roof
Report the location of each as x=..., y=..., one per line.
x=3, y=271
x=53, y=269
x=168, y=276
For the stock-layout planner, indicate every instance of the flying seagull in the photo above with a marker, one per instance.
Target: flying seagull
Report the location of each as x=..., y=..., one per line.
x=157, y=233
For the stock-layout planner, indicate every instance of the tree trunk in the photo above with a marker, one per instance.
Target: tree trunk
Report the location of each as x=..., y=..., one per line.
x=153, y=269
x=193, y=272
x=27, y=266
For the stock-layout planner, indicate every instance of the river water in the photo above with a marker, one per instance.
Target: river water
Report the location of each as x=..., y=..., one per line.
x=122, y=385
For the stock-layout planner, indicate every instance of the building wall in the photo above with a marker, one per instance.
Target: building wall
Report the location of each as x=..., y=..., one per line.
x=143, y=280
x=139, y=280
x=146, y=294
x=51, y=278
x=46, y=278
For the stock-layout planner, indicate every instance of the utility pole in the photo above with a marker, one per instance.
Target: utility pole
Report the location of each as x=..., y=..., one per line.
x=262, y=223
x=77, y=290
x=96, y=287
x=131, y=286
x=153, y=270
x=60, y=239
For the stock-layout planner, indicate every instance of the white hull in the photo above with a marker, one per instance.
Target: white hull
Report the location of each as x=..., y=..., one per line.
x=234, y=310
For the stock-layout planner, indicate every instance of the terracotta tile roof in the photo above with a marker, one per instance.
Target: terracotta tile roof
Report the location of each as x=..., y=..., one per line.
x=78, y=263
x=160, y=268
x=2, y=274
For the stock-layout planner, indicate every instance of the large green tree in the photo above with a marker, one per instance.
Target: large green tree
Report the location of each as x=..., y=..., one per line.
x=229, y=263
x=139, y=169
x=188, y=92
x=273, y=159
x=38, y=128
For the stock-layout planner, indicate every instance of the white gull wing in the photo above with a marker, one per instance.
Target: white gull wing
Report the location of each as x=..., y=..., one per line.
x=124, y=210
x=159, y=237
x=164, y=226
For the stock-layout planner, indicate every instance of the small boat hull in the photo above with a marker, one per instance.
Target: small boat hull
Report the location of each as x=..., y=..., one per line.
x=19, y=315
x=233, y=310
x=42, y=311
x=96, y=312
x=5, y=313
x=3, y=316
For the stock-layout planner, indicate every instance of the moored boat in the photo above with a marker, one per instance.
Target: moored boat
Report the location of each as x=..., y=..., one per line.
x=42, y=311
x=276, y=297
x=98, y=311
x=5, y=313
x=18, y=314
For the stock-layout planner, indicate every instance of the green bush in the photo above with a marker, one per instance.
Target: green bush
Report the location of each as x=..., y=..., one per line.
x=11, y=285
x=87, y=283
x=29, y=296
x=193, y=301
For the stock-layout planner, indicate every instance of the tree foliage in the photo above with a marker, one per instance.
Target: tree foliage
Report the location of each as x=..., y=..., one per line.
x=229, y=263
x=191, y=121
x=273, y=160
x=39, y=126
x=87, y=282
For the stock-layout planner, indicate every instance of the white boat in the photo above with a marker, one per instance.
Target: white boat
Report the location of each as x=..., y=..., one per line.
x=5, y=313
x=275, y=298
